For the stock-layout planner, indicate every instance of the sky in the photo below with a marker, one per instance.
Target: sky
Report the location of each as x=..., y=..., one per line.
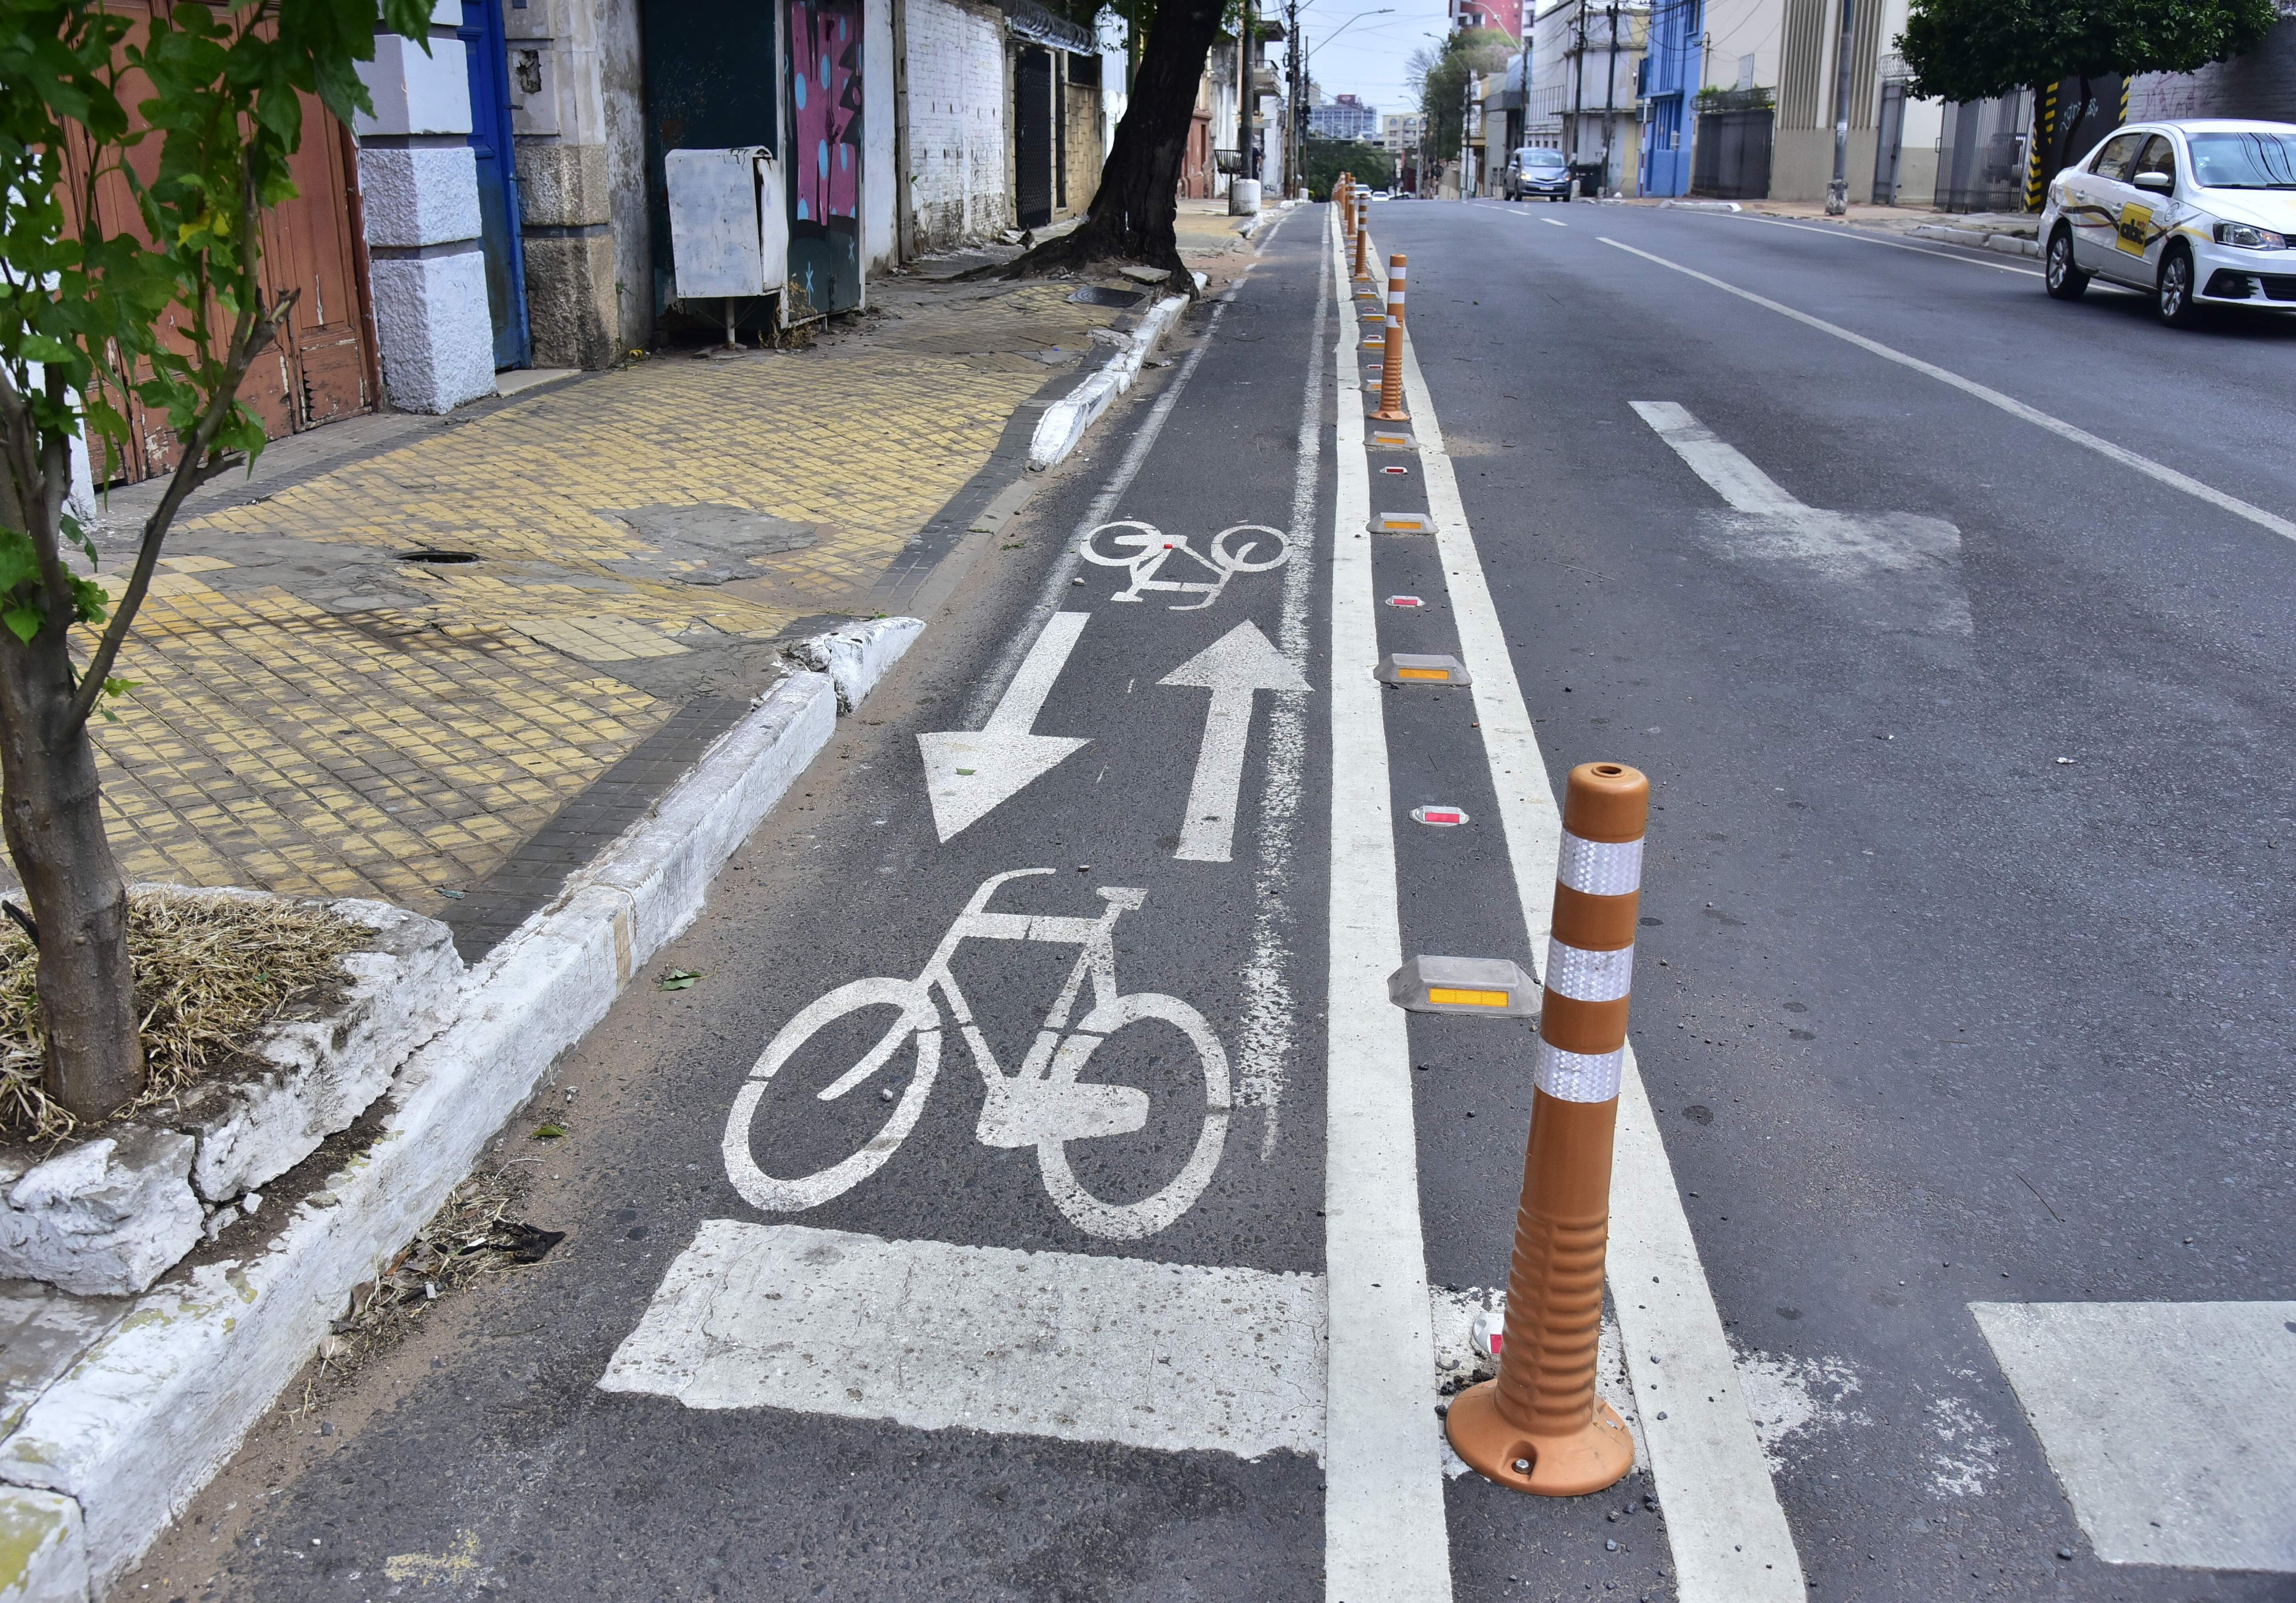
x=1367, y=59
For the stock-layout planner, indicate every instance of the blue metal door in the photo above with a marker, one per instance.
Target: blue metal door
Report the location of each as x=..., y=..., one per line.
x=488, y=60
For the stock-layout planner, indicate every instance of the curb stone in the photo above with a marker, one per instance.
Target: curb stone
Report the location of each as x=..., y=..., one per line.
x=106, y=1456
x=1065, y=421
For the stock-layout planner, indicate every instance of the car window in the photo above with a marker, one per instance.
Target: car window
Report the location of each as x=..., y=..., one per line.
x=2250, y=159
x=2113, y=161
x=1543, y=158
x=2160, y=157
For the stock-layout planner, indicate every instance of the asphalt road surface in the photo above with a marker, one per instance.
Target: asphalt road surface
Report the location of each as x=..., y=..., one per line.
x=1951, y=626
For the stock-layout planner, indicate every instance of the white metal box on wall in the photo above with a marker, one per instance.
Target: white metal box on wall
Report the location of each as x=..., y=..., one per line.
x=728, y=223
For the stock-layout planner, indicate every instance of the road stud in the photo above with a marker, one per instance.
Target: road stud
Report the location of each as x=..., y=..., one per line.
x=1439, y=817
x=1541, y=1427
x=1494, y=987
x=1402, y=523
x=1406, y=668
x=1382, y=439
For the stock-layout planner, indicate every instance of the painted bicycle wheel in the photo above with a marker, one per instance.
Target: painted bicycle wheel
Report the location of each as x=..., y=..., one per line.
x=919, y=1016
x=1250, y=548
x=1135, y=1221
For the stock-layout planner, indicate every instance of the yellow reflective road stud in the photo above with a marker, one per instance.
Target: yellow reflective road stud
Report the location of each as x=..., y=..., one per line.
x=1423, y=673
x=1440, y=994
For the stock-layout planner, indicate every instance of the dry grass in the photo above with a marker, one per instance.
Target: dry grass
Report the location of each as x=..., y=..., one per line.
x=210, y=971
x=471, y=1235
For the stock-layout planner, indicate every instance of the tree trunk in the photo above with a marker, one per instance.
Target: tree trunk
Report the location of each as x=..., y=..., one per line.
x=1131, y=216
x=52, y=814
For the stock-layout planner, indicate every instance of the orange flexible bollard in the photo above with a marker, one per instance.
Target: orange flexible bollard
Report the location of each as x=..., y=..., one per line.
x=1539, y=1427
x=1390, y=364
x=1363, y=234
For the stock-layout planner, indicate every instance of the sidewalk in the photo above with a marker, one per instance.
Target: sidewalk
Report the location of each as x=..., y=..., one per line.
x=380, y=678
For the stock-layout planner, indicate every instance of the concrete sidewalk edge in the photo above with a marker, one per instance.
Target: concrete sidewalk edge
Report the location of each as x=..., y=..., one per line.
x=157, y=1406
x=1065, y=421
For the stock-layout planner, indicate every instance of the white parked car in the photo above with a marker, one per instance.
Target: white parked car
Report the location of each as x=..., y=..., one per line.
x=2195, y=212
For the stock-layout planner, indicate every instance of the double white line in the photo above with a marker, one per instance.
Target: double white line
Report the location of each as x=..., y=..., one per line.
x=1385, y=1540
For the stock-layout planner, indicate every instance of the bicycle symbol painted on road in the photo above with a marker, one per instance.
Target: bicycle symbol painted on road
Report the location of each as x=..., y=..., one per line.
x=1144, y=549
x=1047, y=1105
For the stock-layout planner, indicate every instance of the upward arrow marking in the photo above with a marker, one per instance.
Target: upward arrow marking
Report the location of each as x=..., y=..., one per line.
x=969, y=771
x=1234, y=667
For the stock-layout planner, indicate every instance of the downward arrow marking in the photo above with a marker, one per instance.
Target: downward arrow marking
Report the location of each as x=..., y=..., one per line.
x=1234, y=668
x=969, y=771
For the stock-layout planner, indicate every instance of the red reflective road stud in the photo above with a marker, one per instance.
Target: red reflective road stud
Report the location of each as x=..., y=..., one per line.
x=1404, y=600
x=1441, y=818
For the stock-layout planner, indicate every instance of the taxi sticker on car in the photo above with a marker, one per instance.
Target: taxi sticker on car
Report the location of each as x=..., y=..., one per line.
x=2135, y=230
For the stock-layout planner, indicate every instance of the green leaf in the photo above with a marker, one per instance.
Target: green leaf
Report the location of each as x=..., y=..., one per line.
x=549, y=1133
x=24, y=622
x=680, y=979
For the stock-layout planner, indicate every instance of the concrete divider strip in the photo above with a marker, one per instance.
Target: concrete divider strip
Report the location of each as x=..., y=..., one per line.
x=156, y=1407
x=1725, y=1525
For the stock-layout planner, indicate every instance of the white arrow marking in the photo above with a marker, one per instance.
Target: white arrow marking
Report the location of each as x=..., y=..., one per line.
x=969, y=771
x=1234, y=668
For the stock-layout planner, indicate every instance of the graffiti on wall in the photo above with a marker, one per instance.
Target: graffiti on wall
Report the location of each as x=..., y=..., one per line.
x=825, y=96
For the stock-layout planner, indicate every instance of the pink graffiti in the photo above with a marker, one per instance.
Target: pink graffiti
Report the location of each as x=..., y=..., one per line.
x=826, y=91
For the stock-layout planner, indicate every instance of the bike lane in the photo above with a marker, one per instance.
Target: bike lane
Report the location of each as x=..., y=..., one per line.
x=935, y=1335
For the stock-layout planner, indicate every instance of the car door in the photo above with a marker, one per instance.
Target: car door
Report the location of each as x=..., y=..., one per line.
x=2098, y=193
x=2149, y=216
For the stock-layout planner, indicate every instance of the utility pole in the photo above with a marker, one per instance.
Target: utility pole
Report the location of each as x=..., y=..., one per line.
x=1244, y=99
x=1579, y=93
x=1837, y=193
x=1611, y=95
x=1291, y=151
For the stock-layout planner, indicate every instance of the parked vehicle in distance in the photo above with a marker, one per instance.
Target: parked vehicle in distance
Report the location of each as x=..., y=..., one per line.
x=1532, y=171
x=2196, y=212
x=1380, y=194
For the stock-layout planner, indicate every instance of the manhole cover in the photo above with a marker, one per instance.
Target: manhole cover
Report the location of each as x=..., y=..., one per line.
x=427, y=553
x=1098, y=295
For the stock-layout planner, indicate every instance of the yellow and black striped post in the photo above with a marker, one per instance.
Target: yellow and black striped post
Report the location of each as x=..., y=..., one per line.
x=2038, y=165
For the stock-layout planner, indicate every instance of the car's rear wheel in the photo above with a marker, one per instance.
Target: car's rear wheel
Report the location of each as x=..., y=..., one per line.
x=2065, y=281
x=2172, y=292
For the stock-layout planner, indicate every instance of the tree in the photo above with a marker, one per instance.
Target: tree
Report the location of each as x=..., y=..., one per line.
x=168, y=309
x=1964, y=50
x=1323, y=161
x=1133, y=211
x=1441, y=76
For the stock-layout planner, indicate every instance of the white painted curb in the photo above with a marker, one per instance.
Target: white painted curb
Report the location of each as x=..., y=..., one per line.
x=1980, y=239
x=1700, y=206
x=1066, y=419
x=157, y=1405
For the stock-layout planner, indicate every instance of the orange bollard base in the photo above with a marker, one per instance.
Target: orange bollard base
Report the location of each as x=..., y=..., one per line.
x=1596, y=1455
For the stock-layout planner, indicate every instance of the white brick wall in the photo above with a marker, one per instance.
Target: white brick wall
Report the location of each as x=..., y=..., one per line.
x=956, y=122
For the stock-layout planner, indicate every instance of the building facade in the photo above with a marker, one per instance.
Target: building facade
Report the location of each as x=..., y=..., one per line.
x=1586, y=61
x=1343, y=117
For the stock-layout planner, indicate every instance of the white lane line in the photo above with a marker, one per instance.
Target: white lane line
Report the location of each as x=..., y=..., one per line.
x=1384, y=1537
x=1554, y=222
x=1722, y=465
x=1177, y=1357
x=1265, y=1040
x=1728, y=1533
x=2171, y=1425
x=2034, y=415
x=1867, y=239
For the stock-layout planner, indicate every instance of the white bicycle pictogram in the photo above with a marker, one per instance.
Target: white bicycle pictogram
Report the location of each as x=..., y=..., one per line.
x=1047, y=1105
x=1144, y=549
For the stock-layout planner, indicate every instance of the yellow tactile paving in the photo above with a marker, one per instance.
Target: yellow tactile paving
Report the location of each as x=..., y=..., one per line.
x=396, y=752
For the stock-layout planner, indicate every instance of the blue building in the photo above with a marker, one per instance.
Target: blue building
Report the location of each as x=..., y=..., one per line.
x=1672, y=75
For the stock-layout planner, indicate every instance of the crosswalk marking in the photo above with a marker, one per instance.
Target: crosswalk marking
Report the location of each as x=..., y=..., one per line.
x=1177, y=1357
x=2171, y=1425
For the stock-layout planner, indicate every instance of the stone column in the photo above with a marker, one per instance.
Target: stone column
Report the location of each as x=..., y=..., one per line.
x=565, y=188
x=418, y=180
